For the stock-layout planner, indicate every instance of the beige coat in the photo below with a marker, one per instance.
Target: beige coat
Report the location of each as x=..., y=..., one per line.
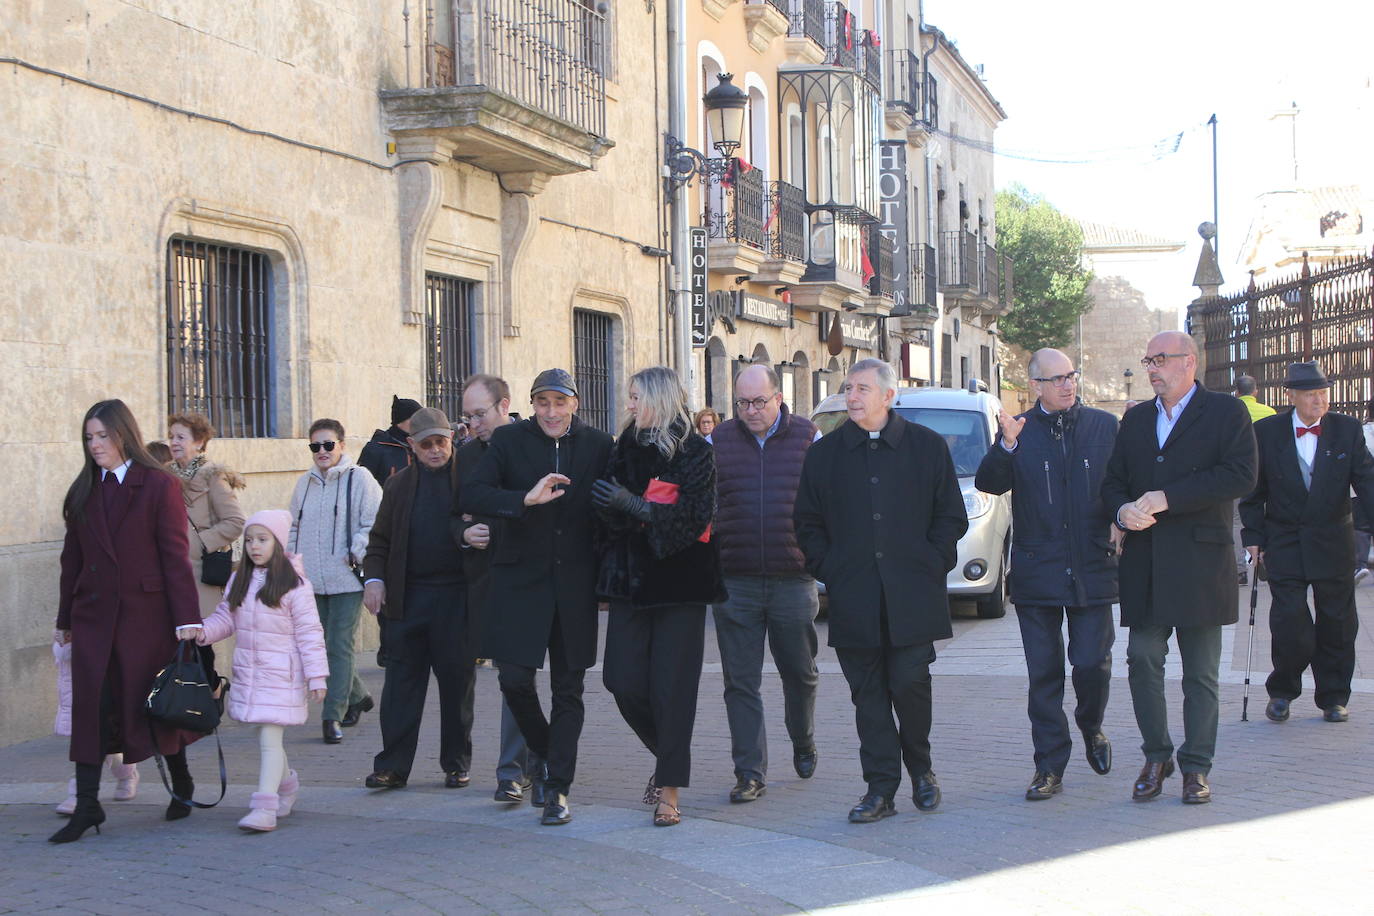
x=214, y=520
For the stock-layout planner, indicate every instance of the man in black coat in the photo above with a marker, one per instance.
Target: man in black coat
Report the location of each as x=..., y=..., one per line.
x=486, y=408
x=1298, y=522
x=537, y=476
x=878, y=517
x=1053, y=458
x=388, y=451
x=1179, y=463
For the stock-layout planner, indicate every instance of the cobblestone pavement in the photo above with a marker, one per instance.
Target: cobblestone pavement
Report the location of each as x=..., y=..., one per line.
x=1289, y=830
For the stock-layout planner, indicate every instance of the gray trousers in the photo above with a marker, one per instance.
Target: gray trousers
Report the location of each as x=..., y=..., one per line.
x=1200, y=650
x=514, y=757
x=782, y=609
x=339, y=618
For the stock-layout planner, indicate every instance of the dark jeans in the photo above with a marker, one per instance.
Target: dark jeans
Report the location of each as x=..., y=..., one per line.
x=781, y=609
x=1091, y=634
x=884, y=681
x=431, y=637
x=1200, y=649
x=339, y=616
x=554, y=739
x=653, y=668
x=1327, y=643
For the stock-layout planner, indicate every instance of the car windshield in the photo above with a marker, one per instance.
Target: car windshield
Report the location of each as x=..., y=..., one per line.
x=964, y=431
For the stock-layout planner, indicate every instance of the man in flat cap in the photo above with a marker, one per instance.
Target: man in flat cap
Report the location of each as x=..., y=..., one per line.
x=537, y=476
x=1297, y=521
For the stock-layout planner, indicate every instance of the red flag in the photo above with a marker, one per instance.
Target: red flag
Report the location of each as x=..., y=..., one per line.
x=848, y=30
x=866, y=264
x=773, y=214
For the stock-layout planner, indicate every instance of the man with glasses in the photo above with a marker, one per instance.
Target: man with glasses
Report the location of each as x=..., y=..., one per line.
x=1052, y=458
x=1179, y=463
x=759, y=457
x=486, y=408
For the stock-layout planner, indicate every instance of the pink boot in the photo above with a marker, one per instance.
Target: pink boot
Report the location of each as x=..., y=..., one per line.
x=66, y=807
x=286, y=793
x=262, y=813
x=126, y=777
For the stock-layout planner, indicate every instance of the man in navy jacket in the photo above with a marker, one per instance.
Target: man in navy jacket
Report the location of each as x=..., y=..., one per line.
x=1053, y=458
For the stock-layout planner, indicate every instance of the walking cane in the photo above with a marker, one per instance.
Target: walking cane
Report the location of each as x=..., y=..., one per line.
x=1250, y=652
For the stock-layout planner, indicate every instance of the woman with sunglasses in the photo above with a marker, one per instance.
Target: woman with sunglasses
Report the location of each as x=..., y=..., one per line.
x=332, y=509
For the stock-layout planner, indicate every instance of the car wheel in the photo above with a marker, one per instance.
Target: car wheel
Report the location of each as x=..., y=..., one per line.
x=994, y=604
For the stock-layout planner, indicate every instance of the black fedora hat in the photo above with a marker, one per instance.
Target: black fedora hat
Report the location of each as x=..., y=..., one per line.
x=1306, y=377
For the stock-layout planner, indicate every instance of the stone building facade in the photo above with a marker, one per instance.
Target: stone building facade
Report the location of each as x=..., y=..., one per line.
x=276, y=211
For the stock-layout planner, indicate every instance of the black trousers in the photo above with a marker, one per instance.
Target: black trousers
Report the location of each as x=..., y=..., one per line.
x=552, y=739
x=1327, y=643
x=431, y=637
x=653, y=668
x=883, y=681
x=1091, y=635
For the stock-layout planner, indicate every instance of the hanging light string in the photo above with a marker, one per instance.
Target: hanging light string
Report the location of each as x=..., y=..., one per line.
x=1165, y=146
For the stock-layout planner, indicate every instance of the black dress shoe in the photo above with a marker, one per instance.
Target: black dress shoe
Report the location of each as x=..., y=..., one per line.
x=556, y=810
x=1150, y=782
x=1337, y=713
x=538, y=772
x=456, y=779
x=1277, y=710
x=332, y=733
x=804, y=762
x=926, y=795
x=1044, y=785
x=386, y=779
x=871, y=808
x=1099, y=751
x=747, y=789
x=355, y=712
x=509, y=792
x=1195, y=789
x=84, y=818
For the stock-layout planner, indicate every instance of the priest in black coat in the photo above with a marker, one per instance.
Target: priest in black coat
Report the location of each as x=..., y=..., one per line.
x=1298, y=521
x=1179, y=463
x=878, y=516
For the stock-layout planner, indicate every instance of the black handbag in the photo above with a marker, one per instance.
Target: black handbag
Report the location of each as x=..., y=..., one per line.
x=181, y=698
x=215, y=567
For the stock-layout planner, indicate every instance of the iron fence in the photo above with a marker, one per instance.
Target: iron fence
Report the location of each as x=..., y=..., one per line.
x=807, y=20
x=592, y=367
x=735, y=203
x=880, y=262
x=448, y=341
x=923, y=276
x=219, y=314
x=1326, y=315
x=959, y=259
x=786, y=224
x=904, y=81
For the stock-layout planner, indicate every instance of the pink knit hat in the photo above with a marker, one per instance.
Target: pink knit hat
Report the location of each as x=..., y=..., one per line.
x=277, y=521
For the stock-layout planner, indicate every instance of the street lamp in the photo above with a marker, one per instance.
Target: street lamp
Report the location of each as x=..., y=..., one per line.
x=1128, y=373
x=725, y=106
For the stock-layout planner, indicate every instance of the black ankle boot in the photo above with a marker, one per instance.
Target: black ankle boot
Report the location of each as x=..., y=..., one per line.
x=88, y=812
x=182, y=785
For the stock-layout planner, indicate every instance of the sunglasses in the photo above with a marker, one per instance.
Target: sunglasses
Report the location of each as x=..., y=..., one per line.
x=327, y=445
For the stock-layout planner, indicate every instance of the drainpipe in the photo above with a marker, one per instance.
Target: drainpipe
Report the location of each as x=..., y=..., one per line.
x=937, y=340
x=677, y=126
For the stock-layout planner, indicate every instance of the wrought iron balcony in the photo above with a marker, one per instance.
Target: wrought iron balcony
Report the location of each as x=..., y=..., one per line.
x=880, y=253
x=959, y=262
x=930, y=109
x=513, y=85
x=903, y=82
x=849, y=47
x=922, y=294
x=734, y=197
x=807, y=19
x=786, y=222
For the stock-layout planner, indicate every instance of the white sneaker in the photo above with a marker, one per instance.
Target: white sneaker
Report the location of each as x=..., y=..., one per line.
x=1361, y=574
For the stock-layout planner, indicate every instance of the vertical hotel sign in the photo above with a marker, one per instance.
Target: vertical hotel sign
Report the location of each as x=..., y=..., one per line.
x=892, y=226
x=696, y=274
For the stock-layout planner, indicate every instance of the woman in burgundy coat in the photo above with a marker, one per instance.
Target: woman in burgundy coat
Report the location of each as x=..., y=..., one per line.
x=127, y=595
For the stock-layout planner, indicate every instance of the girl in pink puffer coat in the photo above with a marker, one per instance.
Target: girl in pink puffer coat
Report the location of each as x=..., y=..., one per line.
x=280, y=654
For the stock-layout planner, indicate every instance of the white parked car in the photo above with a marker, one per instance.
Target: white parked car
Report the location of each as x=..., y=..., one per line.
x=967, y=419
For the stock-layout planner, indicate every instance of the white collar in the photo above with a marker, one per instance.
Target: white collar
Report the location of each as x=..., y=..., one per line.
x=119, y=472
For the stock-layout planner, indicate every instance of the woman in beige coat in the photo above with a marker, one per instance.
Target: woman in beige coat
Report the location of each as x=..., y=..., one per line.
x=213, y=515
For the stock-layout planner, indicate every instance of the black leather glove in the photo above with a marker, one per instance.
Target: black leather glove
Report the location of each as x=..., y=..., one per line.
x=609, y=494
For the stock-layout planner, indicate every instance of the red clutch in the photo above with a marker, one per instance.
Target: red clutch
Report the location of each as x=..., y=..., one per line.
x=665, y=494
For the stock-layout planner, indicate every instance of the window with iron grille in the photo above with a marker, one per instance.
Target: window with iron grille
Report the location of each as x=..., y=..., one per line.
x=219, y=336
x=592, y=367
x=448, y=341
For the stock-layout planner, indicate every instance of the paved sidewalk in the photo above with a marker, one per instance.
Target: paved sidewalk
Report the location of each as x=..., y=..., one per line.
x=1289, y=830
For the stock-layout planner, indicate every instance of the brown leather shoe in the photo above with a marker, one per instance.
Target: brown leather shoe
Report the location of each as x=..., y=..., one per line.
x=1195, y=789
x=1151, y=780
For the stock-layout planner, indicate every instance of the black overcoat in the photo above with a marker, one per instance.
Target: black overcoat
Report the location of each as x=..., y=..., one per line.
x=1307, y=535
x=545, y=558
x=880, y=520
x=1181, y=572
x=388, y=544
x=476, y=563
x=1061, y=551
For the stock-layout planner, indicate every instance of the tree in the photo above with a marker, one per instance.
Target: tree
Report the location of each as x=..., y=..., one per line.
x=1051, y=284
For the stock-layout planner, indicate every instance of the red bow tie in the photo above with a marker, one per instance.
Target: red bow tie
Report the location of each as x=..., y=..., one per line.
x=1314, y=430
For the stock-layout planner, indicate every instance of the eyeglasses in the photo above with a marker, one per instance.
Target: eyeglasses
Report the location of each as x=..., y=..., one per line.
x=1159, y=359
x=756, y=404
x=327, y=445
x=1061, y=381
x=477, y=416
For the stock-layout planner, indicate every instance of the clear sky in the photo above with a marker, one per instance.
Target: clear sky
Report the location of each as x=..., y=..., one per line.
x=1104, y=81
